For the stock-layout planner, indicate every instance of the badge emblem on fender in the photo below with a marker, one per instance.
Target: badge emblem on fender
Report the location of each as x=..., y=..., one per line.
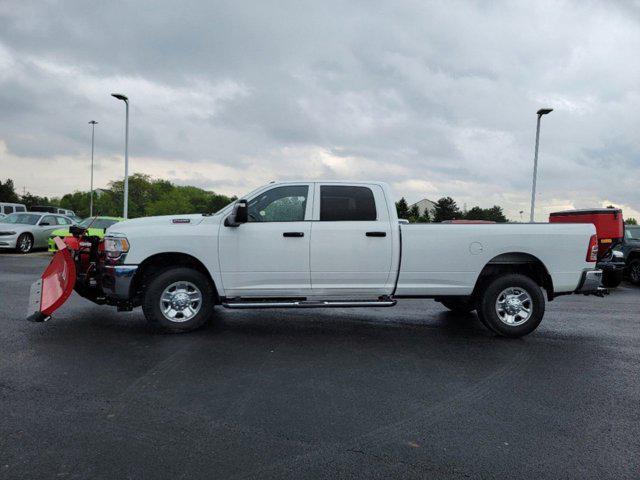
x=181, y=220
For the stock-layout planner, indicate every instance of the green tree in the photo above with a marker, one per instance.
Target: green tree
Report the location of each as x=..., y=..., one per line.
x=425, y=217
x=446, y=209
x=402, y=208
x=495, y=214
x=7, y=192
x=630, y=221
x=476, y=213
x=414, y=214
x=32, y=200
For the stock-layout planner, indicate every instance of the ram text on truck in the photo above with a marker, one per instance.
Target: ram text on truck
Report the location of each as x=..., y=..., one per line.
x=320, y=244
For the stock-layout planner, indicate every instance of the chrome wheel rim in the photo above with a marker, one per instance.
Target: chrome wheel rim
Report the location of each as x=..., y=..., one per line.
x=180, y=301
x=25, y=244
x=514, y=306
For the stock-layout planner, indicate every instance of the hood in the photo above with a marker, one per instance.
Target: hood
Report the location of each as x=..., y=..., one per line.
x=61, y=232
x=181, y=221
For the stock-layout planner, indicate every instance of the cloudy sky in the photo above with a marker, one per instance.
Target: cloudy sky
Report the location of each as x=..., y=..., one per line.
x=438, y=98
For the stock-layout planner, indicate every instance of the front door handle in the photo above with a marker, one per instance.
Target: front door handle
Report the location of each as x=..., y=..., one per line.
x=376, y=234
x=293, y=234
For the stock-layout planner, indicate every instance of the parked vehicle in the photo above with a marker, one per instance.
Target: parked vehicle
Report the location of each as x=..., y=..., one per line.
x=321, y=244
x=630, y=251
x=53, y=209
x=610, y=230
x=96, y=226
x=26, y=231
x=8, y=208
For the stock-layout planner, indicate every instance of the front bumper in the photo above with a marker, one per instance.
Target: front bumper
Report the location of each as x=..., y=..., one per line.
x=8, y=241
x=590, y=283
x=116, y=281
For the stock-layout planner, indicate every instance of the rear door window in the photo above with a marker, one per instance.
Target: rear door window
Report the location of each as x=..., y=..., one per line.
x=340, y=203
x=8, y=209
x=49, y=219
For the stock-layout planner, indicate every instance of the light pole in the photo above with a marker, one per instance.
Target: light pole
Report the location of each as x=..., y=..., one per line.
x=124, y=98
x=542, y=111
x=93, y=124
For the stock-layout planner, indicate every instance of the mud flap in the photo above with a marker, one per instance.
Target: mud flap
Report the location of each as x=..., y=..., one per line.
x=55, y=285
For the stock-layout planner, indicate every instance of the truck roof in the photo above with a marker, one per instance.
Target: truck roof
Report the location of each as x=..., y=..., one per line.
x=586, y=211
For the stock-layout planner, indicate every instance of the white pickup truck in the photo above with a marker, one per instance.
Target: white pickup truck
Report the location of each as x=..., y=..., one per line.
x=328, y=244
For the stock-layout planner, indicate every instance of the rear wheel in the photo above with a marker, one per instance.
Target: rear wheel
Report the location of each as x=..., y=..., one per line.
x=634, y=271
x=611, y=279
x=24, y=244
x=178, y=300
x=511, y=305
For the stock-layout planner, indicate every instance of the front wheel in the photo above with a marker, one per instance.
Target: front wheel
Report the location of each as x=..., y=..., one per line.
x=24, y=244
x=511, y=305
x=178, y=300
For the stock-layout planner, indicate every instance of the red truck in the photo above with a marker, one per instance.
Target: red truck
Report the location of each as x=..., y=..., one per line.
x=610, y=230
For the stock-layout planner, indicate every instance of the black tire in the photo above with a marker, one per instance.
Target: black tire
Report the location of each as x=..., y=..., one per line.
x=611, y=279
x=497, y=322
x=24, y=244
x=459, y=305
x=151, y=301
x=634, y=271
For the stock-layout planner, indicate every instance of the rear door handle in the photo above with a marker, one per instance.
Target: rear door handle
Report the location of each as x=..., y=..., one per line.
x=293, y=234
x=376, y=234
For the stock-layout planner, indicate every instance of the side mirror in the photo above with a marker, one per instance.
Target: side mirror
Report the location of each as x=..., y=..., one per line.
x=239, y=215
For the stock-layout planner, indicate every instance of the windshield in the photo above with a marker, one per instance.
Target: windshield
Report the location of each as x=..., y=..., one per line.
x=22, y=218
x=98, y=223
x=632, y=233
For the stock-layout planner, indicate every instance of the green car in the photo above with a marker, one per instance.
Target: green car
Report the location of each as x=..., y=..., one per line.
x=98, y=226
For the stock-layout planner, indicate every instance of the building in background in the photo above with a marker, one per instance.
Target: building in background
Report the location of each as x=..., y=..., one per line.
x=425, y=204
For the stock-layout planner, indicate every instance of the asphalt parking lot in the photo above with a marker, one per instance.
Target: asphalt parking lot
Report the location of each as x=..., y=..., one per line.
x=408, y=392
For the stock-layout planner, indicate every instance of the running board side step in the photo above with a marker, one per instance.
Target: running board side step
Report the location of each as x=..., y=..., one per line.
x=310, y=304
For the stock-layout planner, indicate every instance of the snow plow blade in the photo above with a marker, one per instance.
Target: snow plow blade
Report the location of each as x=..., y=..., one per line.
x=55, y=285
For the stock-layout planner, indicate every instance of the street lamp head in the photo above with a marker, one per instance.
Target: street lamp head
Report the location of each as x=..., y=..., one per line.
x=93, y=122
x=120, y=96
x=544, y=111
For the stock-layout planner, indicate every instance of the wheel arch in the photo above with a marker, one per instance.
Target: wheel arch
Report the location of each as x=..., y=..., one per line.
x=516, y=262
x=633, y=255
x=159, y=262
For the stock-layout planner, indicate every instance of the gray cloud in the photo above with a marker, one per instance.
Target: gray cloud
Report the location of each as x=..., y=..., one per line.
x=437, y=98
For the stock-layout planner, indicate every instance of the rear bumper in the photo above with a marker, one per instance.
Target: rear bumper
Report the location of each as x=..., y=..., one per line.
x=116, y=281
x=590, y=282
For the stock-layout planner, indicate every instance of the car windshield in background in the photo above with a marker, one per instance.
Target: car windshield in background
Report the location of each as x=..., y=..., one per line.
x=633, y=233
x=22, y=218
x=98, y=223
x=103, y=223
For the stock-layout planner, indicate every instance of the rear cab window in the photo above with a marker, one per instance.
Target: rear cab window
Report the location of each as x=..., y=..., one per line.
x=339, y=203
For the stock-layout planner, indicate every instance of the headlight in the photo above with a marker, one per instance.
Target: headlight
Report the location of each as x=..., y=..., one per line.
x=114, y=247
